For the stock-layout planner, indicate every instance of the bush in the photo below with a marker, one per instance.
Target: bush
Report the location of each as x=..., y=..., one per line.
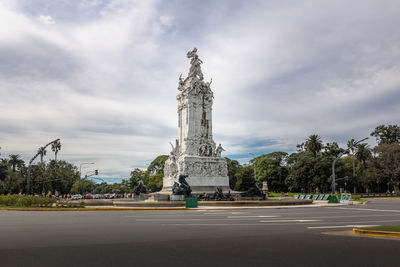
x=26, y=201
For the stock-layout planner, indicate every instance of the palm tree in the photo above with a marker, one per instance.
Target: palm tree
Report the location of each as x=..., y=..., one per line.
x=313, y=144
x=363, y=152
x=15, y=161
x=42, y=152
x=55, y=147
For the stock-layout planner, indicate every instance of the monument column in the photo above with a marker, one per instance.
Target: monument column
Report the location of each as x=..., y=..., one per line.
x=195, y=153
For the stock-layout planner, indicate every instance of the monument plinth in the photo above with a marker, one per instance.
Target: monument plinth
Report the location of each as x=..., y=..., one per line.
x=195, y=153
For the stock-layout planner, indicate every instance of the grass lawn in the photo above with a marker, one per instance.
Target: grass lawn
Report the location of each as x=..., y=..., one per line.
x=390, y=228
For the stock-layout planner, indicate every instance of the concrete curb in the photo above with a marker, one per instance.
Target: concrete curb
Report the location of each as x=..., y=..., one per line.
x=358, y=231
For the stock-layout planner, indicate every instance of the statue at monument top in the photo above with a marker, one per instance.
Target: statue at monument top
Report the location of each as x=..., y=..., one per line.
x=195, y=69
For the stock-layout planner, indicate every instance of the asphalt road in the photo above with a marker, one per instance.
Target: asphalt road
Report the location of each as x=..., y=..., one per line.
x=247, y=237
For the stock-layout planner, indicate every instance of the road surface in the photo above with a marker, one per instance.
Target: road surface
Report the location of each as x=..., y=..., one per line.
x=247, y=237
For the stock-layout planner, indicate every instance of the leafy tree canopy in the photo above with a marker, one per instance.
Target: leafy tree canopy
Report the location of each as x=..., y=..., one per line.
x=387, y=134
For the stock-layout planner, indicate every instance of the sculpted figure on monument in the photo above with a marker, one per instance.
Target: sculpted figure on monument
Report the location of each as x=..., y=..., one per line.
x=141, y=188
x=195, y=69
x=181, y=83
x=219, y=150
x=175, y=149
x=182, y=188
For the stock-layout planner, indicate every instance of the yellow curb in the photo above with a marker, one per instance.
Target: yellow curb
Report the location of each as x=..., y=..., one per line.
x=376, y=233
x=87, y=209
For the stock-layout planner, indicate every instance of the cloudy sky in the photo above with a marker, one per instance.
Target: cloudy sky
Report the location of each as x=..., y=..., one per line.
x=102, y=75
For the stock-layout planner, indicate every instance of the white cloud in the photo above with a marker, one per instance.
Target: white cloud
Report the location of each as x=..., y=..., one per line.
x=106, y=85
x=46, y=19
x=167, y=20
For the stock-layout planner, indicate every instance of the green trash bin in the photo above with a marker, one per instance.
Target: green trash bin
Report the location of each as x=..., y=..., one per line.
x=333, y=199
x=191, y=202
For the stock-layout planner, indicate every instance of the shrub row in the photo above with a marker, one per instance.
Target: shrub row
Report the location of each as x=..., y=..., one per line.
x=26, y=201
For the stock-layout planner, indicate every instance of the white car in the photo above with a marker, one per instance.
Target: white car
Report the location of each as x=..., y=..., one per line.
x=76, y=197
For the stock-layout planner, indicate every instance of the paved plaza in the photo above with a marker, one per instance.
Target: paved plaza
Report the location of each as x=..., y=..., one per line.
x=301, y=236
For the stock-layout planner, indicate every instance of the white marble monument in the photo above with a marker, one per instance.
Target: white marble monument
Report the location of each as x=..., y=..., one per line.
x=195, y=153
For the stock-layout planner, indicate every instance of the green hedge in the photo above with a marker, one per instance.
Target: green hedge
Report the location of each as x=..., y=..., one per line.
x=26, y=201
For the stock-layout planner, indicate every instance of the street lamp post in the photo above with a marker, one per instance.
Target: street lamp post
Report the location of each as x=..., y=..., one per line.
x=96, y=172
x=80, y=167
x=334, y=163
x=28, y=178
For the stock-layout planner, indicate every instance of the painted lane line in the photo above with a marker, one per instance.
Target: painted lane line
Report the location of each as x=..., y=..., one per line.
x=166, y=219
x=275, y=221
x=252, y=216
x=223, y=213
x=212, y=224
x=351, y=216
x=365, y=209
x=340, y=226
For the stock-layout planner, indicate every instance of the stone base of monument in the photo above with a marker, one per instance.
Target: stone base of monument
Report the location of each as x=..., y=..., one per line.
x=205, y=174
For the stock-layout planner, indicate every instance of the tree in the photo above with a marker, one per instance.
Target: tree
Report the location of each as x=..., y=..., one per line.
x=332, y=150
x=3, y=169
x=386, y=164
x=363, y=152
x=271, y=168
x=60, y=176
x=55, y=147
x=42, y=152
x=15, y=161
x=313, y=144
x=81, y=186
x=137, y=174
x=157, y=165
x=233, y=168
x=387, y=134
x=244, y=178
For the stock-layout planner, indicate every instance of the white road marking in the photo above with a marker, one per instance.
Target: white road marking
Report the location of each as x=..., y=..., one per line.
x=365, y=209
x=252, y=216
x=166, y=219
x=223, y=213
x=350, y=216
x=212, y=224
x=274, y=221
x=339, y=226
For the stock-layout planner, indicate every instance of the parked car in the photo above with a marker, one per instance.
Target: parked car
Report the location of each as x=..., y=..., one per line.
x=76, y=197
x=89, y=196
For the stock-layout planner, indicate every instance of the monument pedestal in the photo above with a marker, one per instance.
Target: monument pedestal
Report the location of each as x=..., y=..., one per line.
x=205, y=174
